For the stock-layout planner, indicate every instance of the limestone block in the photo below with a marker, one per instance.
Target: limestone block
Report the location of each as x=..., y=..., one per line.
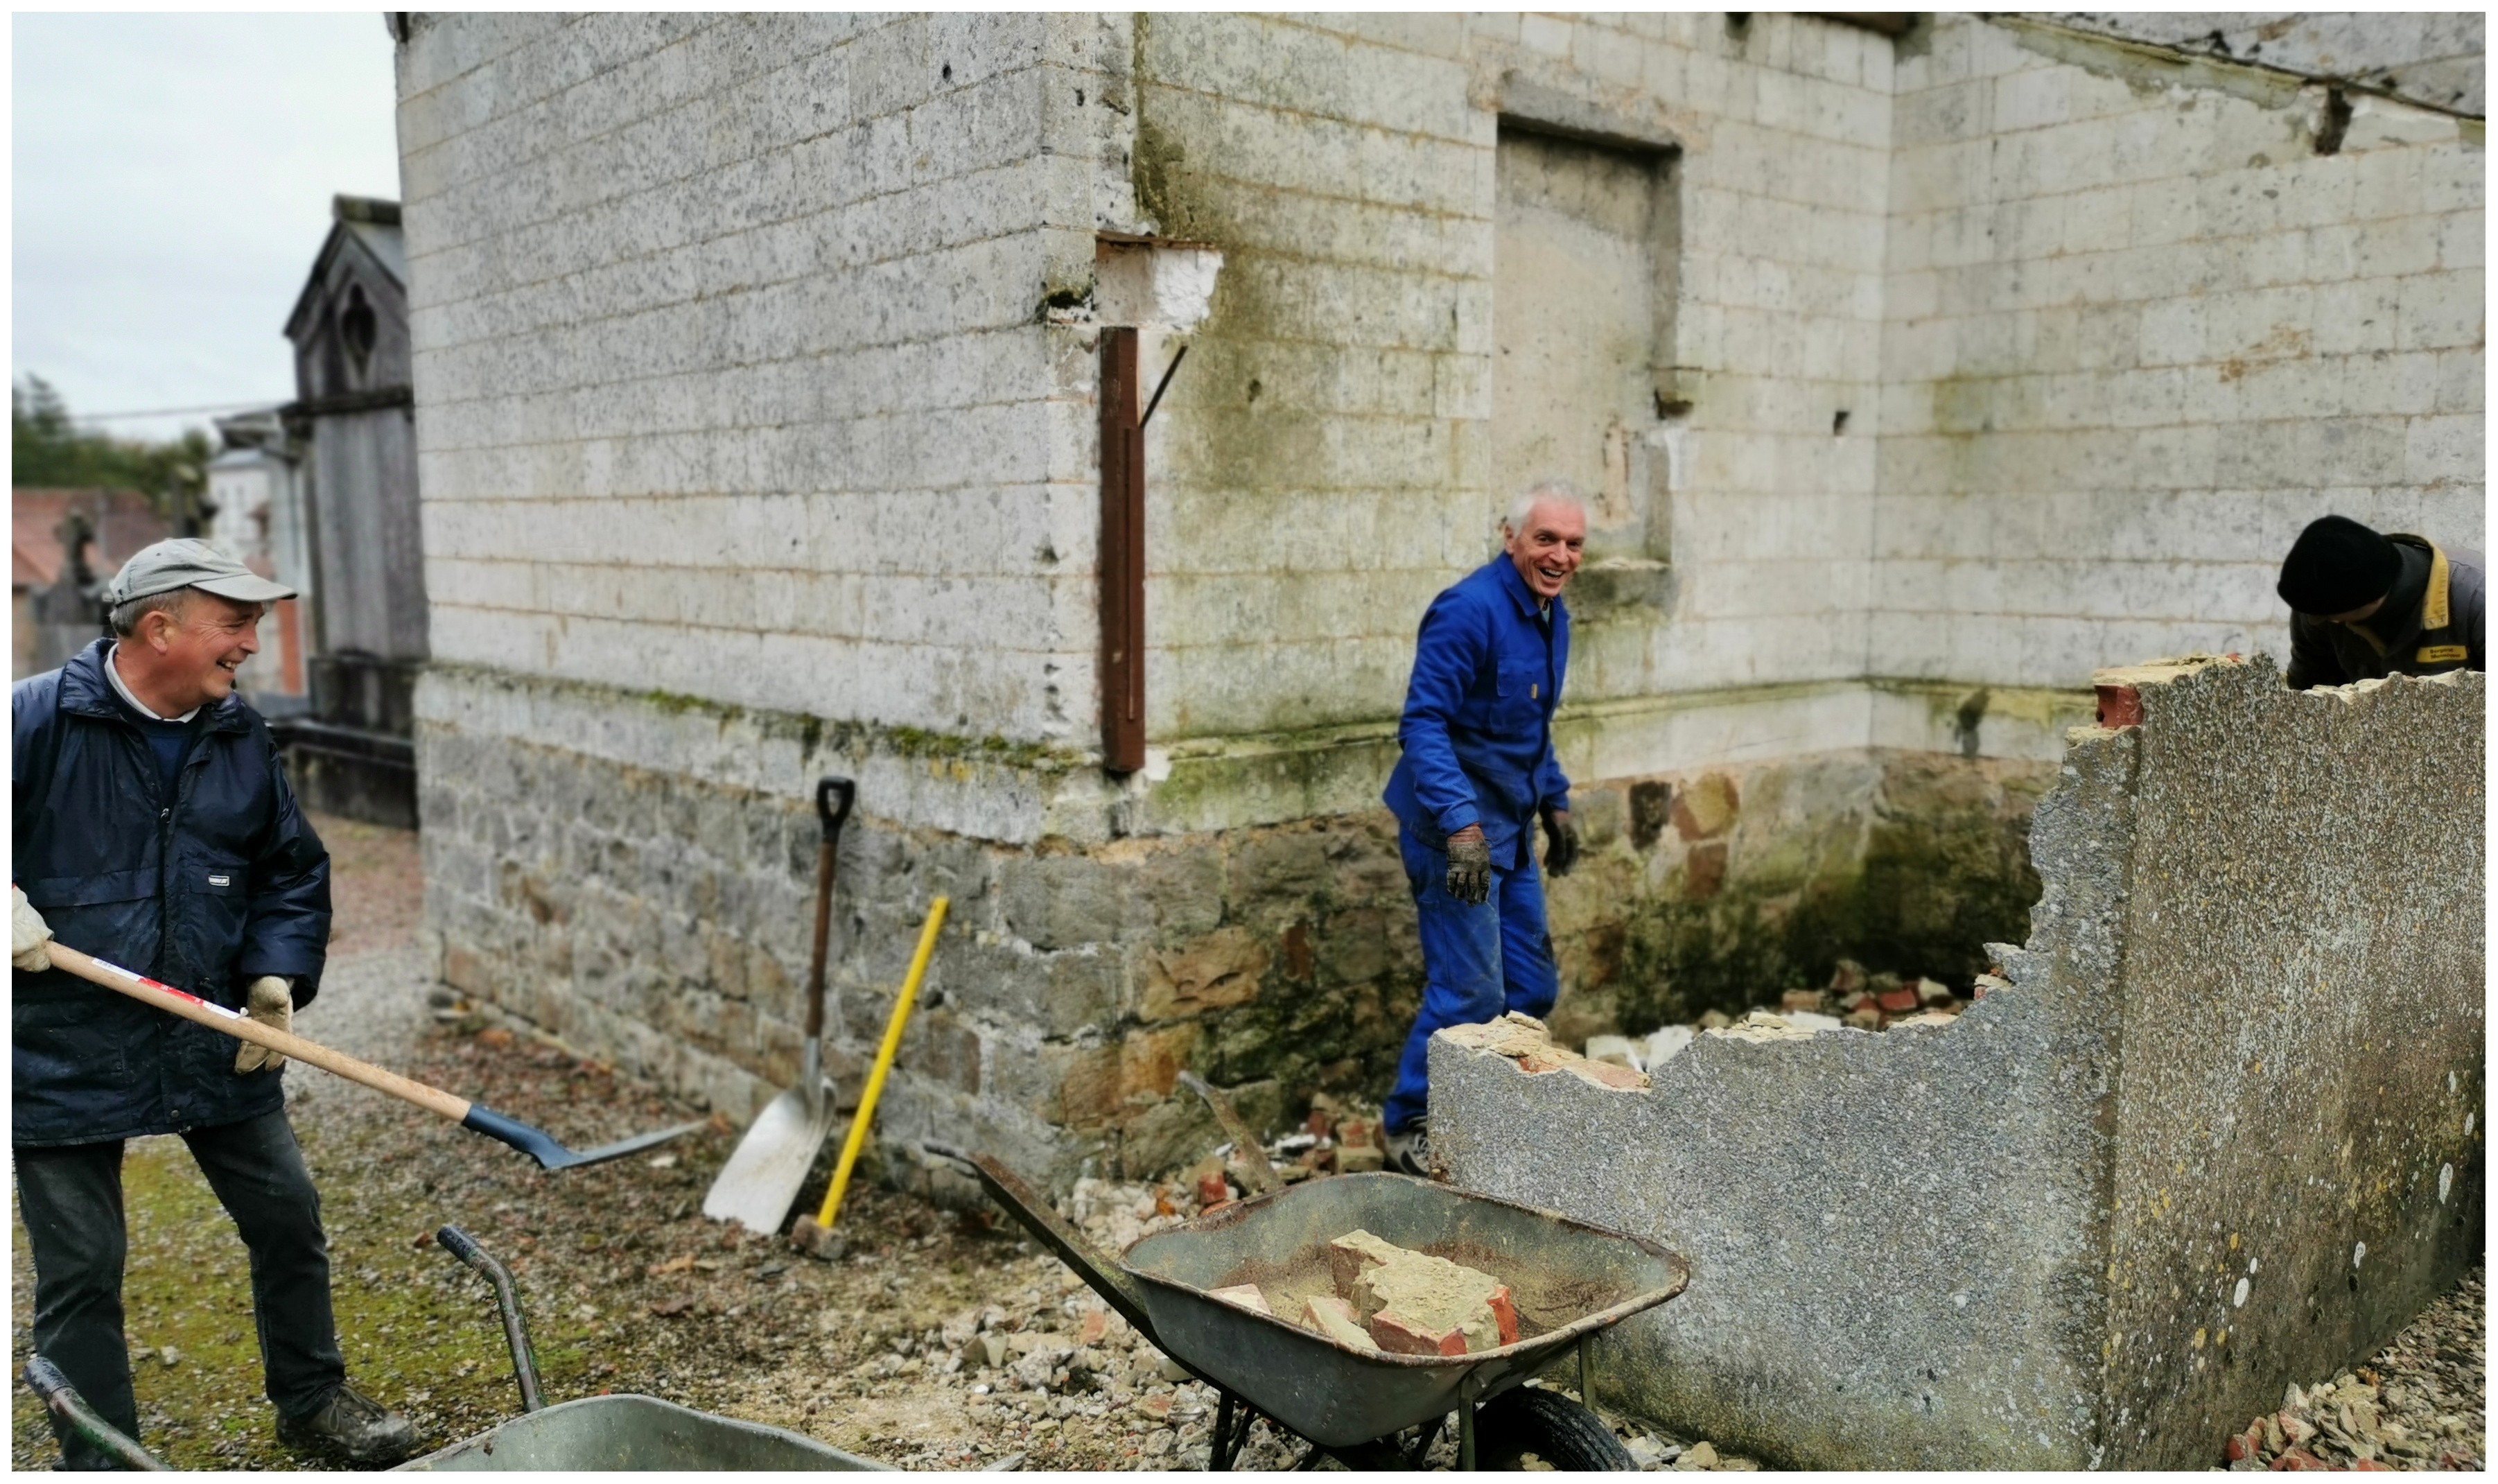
x=1219, y=970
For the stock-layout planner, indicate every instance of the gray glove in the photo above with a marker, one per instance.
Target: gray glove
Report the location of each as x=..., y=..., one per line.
x=271, y=1003
x=30, y=941
x=1470, y=866
x=1561, y=837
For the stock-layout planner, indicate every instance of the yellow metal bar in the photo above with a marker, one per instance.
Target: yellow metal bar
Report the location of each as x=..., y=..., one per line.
x=859, y=1121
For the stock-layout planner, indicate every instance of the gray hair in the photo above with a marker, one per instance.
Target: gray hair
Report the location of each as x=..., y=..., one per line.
x=1559, y=492
x=126, y=615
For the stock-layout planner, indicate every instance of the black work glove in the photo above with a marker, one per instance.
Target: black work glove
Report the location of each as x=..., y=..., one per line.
x=1470, y=866
x=1561, y=847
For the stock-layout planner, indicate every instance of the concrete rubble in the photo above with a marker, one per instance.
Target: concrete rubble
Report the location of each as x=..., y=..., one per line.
x=2210, y=1132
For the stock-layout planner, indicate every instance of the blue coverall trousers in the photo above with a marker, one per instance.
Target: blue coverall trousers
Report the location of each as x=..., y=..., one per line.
x=1478, y=962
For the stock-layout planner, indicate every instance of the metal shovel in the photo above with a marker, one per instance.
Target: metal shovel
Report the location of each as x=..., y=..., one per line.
x=536, y=1143
x=762, y=1176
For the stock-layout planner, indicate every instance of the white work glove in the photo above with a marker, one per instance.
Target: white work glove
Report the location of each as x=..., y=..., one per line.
x=29, y=940
x=272, y=1004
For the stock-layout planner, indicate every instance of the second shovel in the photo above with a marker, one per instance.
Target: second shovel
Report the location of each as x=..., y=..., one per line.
x=761, y=1178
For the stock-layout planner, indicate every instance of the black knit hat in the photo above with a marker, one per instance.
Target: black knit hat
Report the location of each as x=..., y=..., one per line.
x=2337, y=565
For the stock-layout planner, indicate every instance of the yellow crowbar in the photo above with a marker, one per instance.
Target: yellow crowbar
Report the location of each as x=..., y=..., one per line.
x=859, y=1122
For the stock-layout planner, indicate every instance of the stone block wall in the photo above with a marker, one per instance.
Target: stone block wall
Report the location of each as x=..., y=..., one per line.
x=731, y=374
x=1323, y=464
x=2147, y=316
x=2217, y=1132
x=645, y=893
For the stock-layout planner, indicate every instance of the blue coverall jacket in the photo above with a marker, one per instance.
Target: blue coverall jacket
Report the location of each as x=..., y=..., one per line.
x=1478, y=724
x=206, y=890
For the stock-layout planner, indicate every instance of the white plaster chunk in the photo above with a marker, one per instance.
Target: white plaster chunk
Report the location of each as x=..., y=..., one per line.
x=2378, y=124
x=1169, y=287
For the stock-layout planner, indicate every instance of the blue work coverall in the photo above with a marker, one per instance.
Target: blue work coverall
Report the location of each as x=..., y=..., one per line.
x=1477, y=734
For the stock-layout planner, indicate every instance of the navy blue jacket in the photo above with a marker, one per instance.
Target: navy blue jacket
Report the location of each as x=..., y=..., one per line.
x=206, y=892
x=1478, y=724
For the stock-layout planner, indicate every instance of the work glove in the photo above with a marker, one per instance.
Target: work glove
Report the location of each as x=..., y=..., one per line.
x=1470, y=866
x=30, y=941
x=271, y=1003
x=1561, y=842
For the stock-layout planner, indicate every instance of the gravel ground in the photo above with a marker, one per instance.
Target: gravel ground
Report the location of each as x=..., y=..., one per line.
x=937, y=1341
x=2422, y=1403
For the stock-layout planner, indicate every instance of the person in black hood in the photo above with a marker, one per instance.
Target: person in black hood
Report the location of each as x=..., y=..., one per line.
x=2364, y=605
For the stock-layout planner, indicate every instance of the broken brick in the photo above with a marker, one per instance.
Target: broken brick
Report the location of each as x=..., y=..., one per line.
x=1897, y=1002
x=1504, y=1313
x=1248, y=1296
x=2121, y=706
x=2297, y=1459
x=1333, y=1317
x=1398, y=1336
x=1354, y=1253
x=2241, y=1446
x=1212, y=1190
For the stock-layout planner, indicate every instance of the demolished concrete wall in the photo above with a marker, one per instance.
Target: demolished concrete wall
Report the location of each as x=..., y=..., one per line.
x=2217, y=1132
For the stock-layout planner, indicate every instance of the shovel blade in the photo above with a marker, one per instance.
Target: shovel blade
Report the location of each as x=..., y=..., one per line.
x=761, y=1178
x=540, y=1144
x=574, y=1159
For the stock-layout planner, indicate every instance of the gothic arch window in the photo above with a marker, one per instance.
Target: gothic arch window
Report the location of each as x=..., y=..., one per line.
x=358, y=329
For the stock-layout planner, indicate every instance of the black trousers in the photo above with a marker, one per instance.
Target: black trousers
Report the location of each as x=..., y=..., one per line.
x=71, y=1199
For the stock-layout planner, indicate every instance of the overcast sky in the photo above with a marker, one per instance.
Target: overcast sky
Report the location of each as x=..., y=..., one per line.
x=172, y=181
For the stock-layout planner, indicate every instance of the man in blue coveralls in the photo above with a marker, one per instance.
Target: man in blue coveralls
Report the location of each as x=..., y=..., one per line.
x=1477, y=770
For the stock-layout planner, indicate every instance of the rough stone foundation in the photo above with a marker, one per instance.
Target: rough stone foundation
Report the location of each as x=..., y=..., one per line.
x=635, y=874
x=2217, y=1134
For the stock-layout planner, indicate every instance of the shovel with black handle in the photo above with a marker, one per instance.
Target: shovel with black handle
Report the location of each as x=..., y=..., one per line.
x=762, y=1176
x=536, y=1143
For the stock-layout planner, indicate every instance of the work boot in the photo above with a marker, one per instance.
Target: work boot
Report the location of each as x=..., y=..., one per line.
x=1409, y=1151
x=353, y=1426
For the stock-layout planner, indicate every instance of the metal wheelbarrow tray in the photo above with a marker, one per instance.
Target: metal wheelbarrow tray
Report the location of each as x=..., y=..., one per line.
x=1566, y=1278
x=628, y=1432
x=634, y=1433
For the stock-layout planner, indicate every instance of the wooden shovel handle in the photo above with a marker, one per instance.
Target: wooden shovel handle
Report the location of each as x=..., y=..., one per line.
x=235, y=1024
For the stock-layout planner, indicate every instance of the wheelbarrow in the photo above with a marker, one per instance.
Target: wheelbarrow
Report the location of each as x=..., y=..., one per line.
x=613, y=1432
x=628, y=1431
x=1567, y=1279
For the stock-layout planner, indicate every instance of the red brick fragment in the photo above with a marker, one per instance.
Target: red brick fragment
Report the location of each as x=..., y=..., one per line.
x=2297, y=1459
x=1211, y=1190
x=1505, y=1314
x=2241, y=1446
x=1897, y=1002
x=2371, y=1466
x=1398, y=1338
x=2121, y=706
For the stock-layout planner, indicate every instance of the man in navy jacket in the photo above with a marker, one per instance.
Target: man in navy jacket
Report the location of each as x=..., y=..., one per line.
x=1477, y=771
x=155, y=828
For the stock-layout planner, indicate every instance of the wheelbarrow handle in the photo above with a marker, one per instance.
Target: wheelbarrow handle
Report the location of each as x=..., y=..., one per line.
x=63, y=1401
x=507, y=1299
x=1101, y=1272
x=1245, y=1147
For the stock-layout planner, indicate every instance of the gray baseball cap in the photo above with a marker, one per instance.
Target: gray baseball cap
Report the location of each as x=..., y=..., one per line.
x=186, y=563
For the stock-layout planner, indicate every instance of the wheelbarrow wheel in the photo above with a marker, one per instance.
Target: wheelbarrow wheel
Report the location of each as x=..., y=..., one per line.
x=1529, y=1419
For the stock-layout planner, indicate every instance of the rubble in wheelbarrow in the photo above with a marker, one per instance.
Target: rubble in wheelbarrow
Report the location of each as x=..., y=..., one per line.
x=1415, y=1304
x=1853, y=1000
